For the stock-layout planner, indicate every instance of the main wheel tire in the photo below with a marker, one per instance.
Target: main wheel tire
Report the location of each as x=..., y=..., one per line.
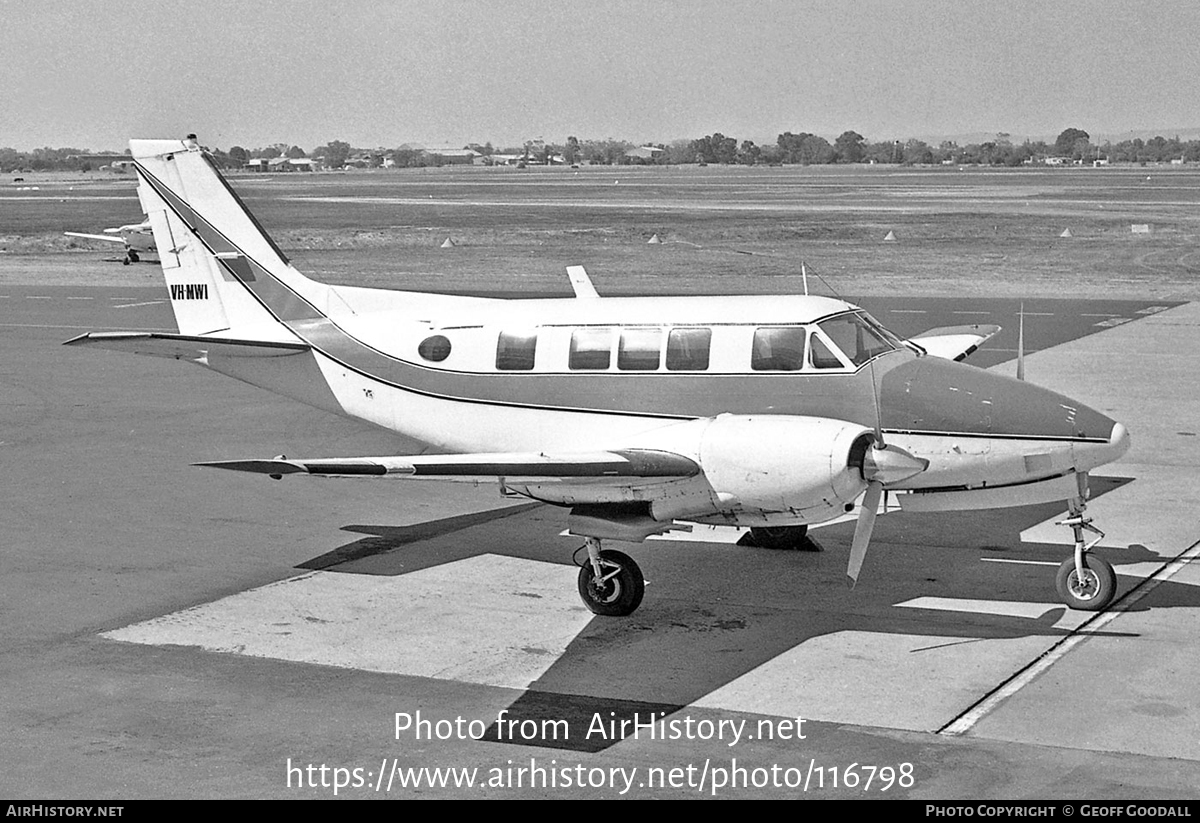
x=1091, y=593
x=612, y=595
x=786, y=538
x=133, y=256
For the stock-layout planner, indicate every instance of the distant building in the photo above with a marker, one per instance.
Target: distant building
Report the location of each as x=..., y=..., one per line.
x=279, y=165
x=446, y=156
x=506, y=159
x=100, y=159
x=644, y=154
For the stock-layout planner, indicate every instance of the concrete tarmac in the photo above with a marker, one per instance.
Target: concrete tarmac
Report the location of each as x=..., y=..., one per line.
x=172, y=631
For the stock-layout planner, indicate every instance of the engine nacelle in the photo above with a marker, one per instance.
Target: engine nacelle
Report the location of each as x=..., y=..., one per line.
x=809, y=467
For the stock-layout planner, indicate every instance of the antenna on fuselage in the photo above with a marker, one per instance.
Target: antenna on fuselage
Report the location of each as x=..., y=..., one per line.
x=581, y=283
x=1021, y=343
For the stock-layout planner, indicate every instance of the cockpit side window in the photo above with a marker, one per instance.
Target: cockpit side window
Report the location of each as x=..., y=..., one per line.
x=591, y=349
x=778, y=349
x=855, y=337
x=822, y=357
x=515, y=351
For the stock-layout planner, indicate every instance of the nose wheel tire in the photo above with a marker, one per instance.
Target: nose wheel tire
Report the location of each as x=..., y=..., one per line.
x=1091, y=592
x=618, y=590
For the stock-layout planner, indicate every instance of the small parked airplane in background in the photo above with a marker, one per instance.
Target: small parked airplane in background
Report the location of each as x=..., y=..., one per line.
x=771, y=413
x=136, y=237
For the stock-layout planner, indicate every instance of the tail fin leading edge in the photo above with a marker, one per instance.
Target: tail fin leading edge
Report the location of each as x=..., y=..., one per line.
x=224, y=274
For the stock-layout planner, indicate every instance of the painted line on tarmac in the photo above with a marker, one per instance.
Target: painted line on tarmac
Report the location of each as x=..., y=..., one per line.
x=1002, y=608
x=135, y=305
x=965, y=721
x=1021, y=562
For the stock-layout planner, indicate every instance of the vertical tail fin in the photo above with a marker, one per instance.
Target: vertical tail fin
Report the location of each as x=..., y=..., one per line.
x=224, y=274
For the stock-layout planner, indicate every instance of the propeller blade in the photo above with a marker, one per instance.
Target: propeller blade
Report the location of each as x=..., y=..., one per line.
x=862, y=531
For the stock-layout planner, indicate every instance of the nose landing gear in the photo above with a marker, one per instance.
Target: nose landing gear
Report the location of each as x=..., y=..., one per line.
x=1084, y=582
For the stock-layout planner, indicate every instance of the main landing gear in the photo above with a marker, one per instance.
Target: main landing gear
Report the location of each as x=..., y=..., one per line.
x=1084, y=582
x=610, y=583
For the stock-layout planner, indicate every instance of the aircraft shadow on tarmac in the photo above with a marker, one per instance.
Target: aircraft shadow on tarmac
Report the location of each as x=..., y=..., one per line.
x=712, y=613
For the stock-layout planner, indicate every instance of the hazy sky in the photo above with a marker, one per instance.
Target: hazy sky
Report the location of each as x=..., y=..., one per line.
x=92, y=75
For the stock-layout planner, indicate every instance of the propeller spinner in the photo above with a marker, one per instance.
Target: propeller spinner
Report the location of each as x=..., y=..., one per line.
x=882, y=464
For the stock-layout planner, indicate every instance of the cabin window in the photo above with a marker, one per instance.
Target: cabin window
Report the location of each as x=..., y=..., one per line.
x=687, y=349
x=515, y=351
x=639, y=349
x=855, y=337
x=434, y=349
x=778, y=349
x=591, y=349
x=822, y=357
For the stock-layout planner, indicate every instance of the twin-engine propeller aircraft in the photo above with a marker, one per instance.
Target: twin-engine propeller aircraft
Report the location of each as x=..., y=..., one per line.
x=771, y=413
x=135, y=237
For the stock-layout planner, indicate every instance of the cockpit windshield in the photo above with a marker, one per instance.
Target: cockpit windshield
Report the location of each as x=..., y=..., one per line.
x=859, y=336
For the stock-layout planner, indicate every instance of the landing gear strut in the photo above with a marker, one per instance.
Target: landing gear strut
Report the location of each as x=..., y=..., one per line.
x=1084, y=582
x=610, y=583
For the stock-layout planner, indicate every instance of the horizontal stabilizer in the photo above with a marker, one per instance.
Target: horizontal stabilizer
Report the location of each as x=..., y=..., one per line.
x=955, y=342
x=598, y=465
x=183, y=346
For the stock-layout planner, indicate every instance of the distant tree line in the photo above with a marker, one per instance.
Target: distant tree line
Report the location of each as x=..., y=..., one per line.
x=789, y=148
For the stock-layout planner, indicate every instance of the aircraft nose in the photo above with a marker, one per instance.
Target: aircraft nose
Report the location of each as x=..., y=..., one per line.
x=936, y=395
x=1091, y=455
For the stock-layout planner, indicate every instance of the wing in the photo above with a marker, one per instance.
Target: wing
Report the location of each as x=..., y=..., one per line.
x=954, y=342
x=110, y=238
x=619, y=464
x=624, y=494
